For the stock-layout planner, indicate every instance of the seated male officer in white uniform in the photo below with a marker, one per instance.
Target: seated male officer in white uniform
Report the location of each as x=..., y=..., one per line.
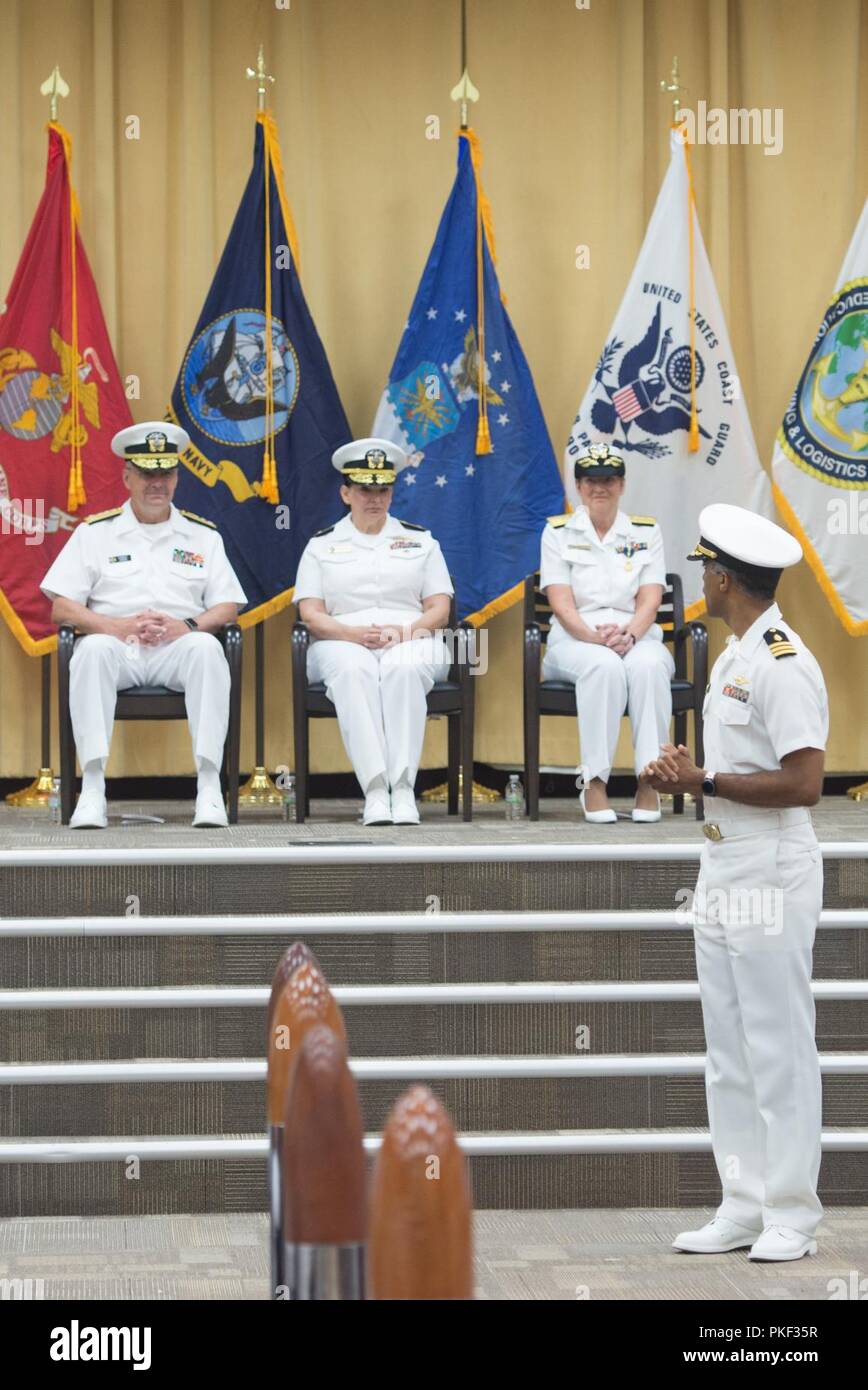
x=604, y=574
x=374, y=591
x=758, y=896
x=148, y=586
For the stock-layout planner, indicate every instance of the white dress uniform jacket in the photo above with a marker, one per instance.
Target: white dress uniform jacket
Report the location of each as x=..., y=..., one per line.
x=379, y=696
x=605, y=577
x=756, y=908
x=117, y=566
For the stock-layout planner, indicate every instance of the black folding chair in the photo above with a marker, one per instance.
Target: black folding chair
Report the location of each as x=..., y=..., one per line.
x=559, y=697
x=151, y=702
x=454, y=697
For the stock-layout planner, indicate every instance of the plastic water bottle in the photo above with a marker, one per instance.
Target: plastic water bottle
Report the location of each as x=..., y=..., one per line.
x=54, y=800
x=514, y=798
x=289, y=797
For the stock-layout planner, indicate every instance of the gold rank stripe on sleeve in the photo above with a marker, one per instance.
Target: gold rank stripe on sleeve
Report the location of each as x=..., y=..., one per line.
x=778, y=642
x=558, y=520
x=201, y=520
x=102, y=516
x=644, y=520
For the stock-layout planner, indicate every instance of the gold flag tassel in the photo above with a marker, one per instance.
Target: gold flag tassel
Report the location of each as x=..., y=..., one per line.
x=268, y=490
x=693, y=432
x=76, y=495
x=484, y=231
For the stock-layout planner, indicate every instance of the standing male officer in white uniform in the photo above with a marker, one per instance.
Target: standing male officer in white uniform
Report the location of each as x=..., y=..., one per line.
x=148, y=586
x=604, y=574
x=374, y=591
x=758, y=896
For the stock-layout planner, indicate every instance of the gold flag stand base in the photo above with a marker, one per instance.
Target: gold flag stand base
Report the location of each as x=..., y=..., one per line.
x=481, y=795
x=37, y=794
x=859, y=793
x=259, y=790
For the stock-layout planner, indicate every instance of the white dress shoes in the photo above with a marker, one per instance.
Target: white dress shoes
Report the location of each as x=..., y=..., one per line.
x=715, y=1237
x=90, y=813
x=210, y=810
x=596, y=817
x=377, y=808
x=404, y=808
x=647, y=817
x=782, y=1243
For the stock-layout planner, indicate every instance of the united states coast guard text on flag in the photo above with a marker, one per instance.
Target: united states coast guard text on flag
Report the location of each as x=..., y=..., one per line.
x=639, y=399
x=820, y=462
x=487, y=509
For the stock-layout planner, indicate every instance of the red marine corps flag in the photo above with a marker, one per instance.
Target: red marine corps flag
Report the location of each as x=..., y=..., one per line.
x=61, y=401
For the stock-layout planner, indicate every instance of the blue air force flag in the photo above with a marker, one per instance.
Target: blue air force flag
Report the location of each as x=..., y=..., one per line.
x=642, y=392
x=460, y=360
x=253, y=389
x=820, y=462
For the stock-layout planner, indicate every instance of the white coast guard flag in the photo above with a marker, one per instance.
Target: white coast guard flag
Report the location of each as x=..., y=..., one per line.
x=820, y=462
x=639, y=399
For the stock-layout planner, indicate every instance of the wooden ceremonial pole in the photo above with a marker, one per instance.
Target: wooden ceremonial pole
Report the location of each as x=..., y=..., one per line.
x=39, y=790
x=464, y=92
x=259, y=790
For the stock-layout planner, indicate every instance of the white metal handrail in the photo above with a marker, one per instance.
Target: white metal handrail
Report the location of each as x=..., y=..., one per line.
x=250, y=996
x=511, y=1144
x=408, y=1069
x=365, y=924
x=291, y=856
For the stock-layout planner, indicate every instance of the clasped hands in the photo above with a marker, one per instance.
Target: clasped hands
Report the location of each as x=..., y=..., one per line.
x=150, y=628
x=618, y=638
x=376, y=637
x=674, y=771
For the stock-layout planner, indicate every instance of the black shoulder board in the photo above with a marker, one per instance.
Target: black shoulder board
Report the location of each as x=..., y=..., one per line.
x=644, y=520
x=103, y=516
x=326, y=530
x=559, y=520
x=412, y=525
x=202, y=520
x=778, y=642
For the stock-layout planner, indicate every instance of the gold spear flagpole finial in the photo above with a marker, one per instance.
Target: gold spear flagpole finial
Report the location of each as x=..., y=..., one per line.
x=262, y=77
x=672, y=84
x=464, y=92
x=54, y=87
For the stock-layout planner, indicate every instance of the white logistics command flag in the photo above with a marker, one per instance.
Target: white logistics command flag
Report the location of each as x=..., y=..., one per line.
x=820, y=463
x=640, y=396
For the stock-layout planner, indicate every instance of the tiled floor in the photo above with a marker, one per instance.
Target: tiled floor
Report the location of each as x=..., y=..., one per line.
x=594, y=1255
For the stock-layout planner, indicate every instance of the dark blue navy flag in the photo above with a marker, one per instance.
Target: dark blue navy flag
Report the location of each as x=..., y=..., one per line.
x=260, y=405
x=462, y=402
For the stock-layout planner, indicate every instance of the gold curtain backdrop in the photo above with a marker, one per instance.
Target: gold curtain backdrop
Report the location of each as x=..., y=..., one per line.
x=574, y=132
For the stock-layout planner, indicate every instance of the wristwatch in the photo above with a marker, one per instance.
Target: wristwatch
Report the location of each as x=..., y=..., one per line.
x=192, y=624
x=709, y=786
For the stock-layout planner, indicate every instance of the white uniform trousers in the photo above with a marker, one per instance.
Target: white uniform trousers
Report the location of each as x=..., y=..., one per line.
x=379, y=697
x=103, y=665
x=756, y=908
x=607, y=684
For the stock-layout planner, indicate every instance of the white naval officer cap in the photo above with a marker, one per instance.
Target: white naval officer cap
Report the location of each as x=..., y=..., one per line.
x=153, y=446
x=371, y=462
x=743, y=541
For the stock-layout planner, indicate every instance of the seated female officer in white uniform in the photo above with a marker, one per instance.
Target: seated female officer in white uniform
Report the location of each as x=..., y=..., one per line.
x=373, y=591
x=604, y=574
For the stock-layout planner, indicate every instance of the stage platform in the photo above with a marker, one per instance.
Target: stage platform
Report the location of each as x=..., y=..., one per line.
x=539, y=977
x=602, y=1254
